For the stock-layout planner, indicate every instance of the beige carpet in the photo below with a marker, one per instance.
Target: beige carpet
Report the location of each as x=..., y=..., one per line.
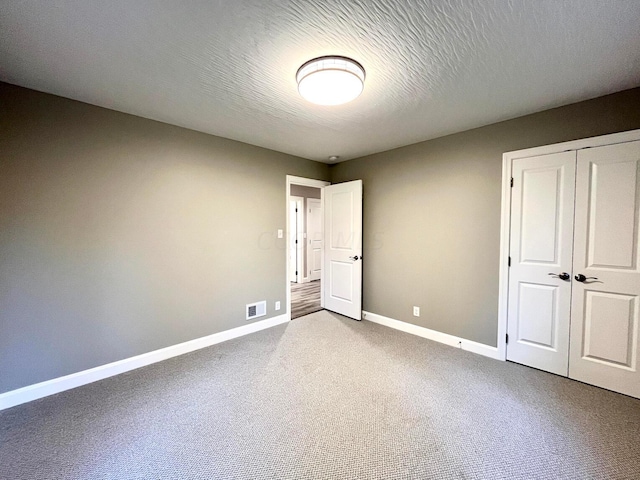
x=325, y=397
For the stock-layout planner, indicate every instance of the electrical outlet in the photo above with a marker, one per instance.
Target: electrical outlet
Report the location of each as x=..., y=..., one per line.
x=416, y=311
x=280, y=233
x=277, y=305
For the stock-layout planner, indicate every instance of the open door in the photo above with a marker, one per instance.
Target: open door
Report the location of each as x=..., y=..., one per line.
x=342, y=282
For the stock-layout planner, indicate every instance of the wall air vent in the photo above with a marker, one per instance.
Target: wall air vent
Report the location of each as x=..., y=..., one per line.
x=255, y=310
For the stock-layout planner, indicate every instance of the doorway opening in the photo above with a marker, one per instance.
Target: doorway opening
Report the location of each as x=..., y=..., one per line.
x=304, y=245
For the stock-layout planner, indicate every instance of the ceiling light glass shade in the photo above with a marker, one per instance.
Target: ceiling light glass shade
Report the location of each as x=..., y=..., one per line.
x=330, y=80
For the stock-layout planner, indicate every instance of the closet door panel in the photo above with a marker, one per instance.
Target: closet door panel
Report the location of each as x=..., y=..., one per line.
x=605, y=298
x=541, y=245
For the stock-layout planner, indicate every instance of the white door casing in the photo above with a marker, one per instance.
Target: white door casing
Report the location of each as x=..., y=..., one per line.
x=296, y=234
x=314, y=238
x=542, y=211
x=605, y=308
x=306, y=182
x=342, y=269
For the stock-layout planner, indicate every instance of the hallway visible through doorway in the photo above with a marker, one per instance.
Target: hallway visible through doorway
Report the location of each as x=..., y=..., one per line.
x=305, y=298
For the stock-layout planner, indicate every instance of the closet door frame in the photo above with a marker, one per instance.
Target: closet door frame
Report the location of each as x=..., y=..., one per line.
x=505, y=225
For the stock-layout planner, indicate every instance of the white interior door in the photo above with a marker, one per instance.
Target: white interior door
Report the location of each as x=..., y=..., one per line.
x=542, y=207
x=342, y=282
x=605, y=307
x=314, y=238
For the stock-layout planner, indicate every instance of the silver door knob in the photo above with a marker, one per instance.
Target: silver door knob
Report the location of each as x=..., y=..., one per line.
x=581, y=278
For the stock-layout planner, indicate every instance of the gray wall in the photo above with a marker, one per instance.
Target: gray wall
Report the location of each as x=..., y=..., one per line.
x=432, y=214
x=306, y=193
x=120, y=235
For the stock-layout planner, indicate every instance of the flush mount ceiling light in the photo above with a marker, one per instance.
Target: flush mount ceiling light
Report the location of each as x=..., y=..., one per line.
x=330, y=80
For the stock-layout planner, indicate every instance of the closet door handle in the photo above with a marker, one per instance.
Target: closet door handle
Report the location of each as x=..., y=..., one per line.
x=562, y=276
x=581, y=278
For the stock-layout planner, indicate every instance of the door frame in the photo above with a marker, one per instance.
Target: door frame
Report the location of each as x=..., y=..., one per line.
x=505, y=216
x=299, y=277
x=305, y=182
x=308, y=244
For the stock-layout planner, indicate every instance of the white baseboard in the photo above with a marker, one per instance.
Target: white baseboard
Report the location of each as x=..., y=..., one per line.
x=57, y=385
x=440, y=337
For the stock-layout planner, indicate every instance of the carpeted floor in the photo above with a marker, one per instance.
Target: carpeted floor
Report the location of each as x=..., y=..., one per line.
x=305, y=298
x=325, y=397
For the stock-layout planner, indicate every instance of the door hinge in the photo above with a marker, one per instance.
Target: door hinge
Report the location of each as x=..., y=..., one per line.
x=296, y=242
x=509, y=262
x=296, y=273
x=511, y=181
x=511, y=185
x=507, y=338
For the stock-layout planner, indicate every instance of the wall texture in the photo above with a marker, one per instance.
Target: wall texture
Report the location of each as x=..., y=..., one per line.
x=120, y=235
x=432, y=214
x=304, y=191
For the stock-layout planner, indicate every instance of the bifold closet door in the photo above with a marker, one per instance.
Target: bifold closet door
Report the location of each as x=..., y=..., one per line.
x=542, y=202
x=606, y=293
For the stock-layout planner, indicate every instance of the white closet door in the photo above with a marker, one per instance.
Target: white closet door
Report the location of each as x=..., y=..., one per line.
x=605, y=307
x=542, y=202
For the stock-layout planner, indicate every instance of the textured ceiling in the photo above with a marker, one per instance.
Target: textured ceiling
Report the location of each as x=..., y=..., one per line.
x=228, y=67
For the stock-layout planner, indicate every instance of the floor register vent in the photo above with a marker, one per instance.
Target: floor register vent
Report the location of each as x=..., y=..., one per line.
x=255, y=310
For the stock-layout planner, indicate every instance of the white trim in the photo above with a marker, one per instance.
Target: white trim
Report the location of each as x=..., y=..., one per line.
x=503, y=281
x=322, y=253
x=57, y=385
x=451, y=340
x=299, y=277
x=305, y=182
x=613, y=138
x=307, y=238
x=505, y=222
